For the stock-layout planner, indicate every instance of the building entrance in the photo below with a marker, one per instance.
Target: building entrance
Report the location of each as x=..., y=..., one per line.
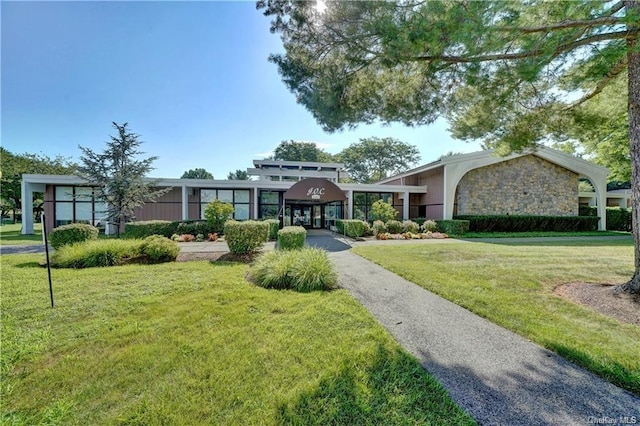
x=309, y=216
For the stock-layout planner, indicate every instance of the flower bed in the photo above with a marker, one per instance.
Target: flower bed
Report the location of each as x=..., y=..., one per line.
x=412, y=236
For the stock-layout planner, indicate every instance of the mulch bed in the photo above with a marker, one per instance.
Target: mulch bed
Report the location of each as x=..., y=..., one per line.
x=604, y=299
x=217, y=256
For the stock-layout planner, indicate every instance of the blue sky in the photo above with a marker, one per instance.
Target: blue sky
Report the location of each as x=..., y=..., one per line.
x=191, y=78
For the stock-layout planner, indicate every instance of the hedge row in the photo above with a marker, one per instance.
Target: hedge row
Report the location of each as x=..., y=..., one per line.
x=517, y=223
x=71, y=234
x=618, y=219
x=168, y=228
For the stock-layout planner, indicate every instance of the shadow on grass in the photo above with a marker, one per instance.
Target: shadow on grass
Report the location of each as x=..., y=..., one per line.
x=29, y=265
x=604, y=241
x=389, y=388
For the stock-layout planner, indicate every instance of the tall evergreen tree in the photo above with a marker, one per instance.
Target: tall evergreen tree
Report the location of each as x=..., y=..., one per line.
x=501, y=71
x=118, y=176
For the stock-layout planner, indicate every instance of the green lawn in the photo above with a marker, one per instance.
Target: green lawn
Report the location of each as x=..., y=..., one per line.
x=10, y=235
x=195, y=343
x=511, y=284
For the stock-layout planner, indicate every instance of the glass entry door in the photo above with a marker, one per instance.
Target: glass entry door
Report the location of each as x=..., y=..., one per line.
x=301, y=216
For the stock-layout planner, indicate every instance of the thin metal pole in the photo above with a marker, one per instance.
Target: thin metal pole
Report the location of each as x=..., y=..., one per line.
x=46, y=249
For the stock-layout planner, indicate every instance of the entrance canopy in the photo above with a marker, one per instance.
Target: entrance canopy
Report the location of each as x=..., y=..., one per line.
x=315, y=190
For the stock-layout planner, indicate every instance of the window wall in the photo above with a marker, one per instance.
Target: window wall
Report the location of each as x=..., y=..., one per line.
x=362, y=202
x=239, y=198
x=77, y=204
x=269, y=204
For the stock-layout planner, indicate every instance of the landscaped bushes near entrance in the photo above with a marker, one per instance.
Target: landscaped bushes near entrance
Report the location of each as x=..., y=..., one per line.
x=71, y=234
x=167, y=228
x=618, y=218
x=274, y=227
x=291, y=237
x=353, y=228
x=245, y=237
x=449, y=226
x=515, y=223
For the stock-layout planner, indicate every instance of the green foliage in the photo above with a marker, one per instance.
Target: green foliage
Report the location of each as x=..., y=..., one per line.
x=394, y=227
x=453, y=227
x=353, y=228
x=245, y=237
x=304, y=270
x=274, y=226
x=158, y=249
x=379, y=227
x=97, y=253
x=238, y=175
x=217, y=213
x=197, y=173
x=118, y=177
x=518, y=223
x=71, y=234
x=373, y=159
x=410, y=226
x=144, y=229
x=618, y=219
x=13, y=166
x=301, y=151
x=381, y=210
x=194, y=227
x=291, y=237
x=430, y=226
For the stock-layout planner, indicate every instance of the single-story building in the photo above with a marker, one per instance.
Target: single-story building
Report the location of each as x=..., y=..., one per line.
x=540, y=182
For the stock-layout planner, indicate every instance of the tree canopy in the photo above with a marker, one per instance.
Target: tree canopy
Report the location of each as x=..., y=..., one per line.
x=13, y=166
x=301, y=151
x=197, y=173
x=238, y=175
x=505, y=72
x=119, y=176
x=373, y=159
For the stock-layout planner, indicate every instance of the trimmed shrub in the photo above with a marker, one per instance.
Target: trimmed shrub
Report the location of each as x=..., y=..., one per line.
x=245, y=237
x=587, y=211
x=96, y=253
x=410, y=226
x=353, y=228
x=394, y=227
x=71, y=234
x=379, y=227
x=291, y=237
x=194, y=227
x=159, y=249
x=429, y=226
x=217, y=214
x=304, y=270
x=144, y=229
x=419, y=220
x=453, y=227
x=274, y=227
x=524, y=223
x=381, y=210
x=618, y=219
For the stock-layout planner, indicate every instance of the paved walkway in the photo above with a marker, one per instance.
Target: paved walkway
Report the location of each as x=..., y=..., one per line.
x=499, y=377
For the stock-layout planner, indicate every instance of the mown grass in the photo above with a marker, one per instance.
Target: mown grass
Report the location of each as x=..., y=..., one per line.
x=195, y=343
x=543, y=234
x=512, y=285
x=10, y=235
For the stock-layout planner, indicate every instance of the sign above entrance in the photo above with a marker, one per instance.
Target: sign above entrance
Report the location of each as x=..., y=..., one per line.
x=315, y=189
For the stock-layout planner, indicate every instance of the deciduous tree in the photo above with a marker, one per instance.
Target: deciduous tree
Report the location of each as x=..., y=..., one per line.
x=505, y=72
x=238, y=175
x=301, y=151
x=373, y=159
x=119, y=176
x=197, y=173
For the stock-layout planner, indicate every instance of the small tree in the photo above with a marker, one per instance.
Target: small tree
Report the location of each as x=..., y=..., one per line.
x=217, y=213
x=381, y=210
x=119, y=177
x=198, y=173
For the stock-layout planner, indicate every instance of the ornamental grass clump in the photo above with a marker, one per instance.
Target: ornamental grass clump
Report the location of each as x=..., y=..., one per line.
x=91, y=254
x=305, y=270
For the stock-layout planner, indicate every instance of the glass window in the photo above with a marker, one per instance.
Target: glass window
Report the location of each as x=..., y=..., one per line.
x=387, y=197
x=64, y=193
x=241, y=195
x=207, y=195
x=242, y=211
x=359, y=198
x=64, y=213
x=269, y=197
x=84, y=194
x=84, y=212
x=269, y=212
x=225, y=195
x=372, y=198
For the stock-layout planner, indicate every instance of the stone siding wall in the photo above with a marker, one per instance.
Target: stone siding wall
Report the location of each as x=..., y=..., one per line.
x=526, y=185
